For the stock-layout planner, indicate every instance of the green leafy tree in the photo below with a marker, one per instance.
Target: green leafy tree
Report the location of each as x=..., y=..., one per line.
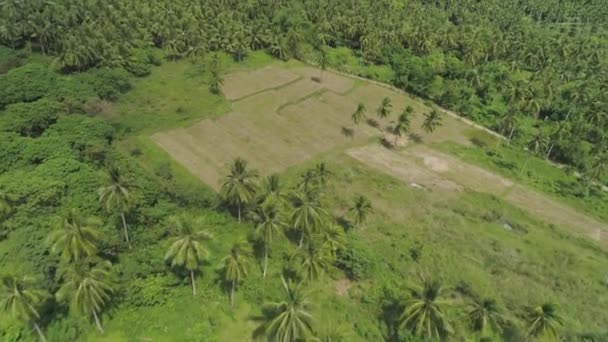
x=432, y=120
x=115, y=195
x=360, y=210
x=288, y=320
x=186, y=249
x=384, y=110
x=485, y=314
x=424, y=312
x=359, y=113
x=77, y=238
x=236, y=266
x=88, y=289
x=269, y=224
x=240, y=186
x=544, y=320
x=21, y=299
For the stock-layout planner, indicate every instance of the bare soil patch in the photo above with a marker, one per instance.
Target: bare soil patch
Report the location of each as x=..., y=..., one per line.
x=342, y=286
x=240, y=84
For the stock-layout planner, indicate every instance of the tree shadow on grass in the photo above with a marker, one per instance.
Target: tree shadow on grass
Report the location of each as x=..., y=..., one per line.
x=384, y=142
x=373, y=123
x=345, y=223
x=391, y=310
x=348, y=132
x=416, y=138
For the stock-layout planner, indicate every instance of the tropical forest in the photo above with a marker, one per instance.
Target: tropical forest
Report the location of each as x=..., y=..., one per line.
x=303, y=170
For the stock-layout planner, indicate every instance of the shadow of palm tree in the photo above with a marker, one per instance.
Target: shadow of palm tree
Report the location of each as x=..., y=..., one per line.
x=416, y=138
x=372, y=122
x=384, y=142
x=348, y=132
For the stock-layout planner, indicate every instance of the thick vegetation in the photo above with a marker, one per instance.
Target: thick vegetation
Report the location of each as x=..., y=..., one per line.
x=87, y=230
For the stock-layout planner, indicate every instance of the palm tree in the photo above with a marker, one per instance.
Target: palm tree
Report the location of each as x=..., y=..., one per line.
x=268, y=224
x=313, y=259
x=334, y=238
x=322, y=173
x=78, y=237
x=432, y=120
x=424, y=311
x=599, y=167
x=239, y=187
x=20, y=299
x=361, y=209
x=309, y=180
x=402, y=126
x=271, y=190
x=485, y=314
x=288, y=320
x=115, y=195
x=534, y=146
x=186, y=250
x=236, y=266
x=322, y=60
x=509, y=123
x=307, y=213
x=215, y=77
x=89, y=290
x=543, y=320
x=384, y=110
x=359, y=113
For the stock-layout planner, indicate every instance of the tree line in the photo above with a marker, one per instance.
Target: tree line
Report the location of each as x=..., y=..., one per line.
x=534, y=71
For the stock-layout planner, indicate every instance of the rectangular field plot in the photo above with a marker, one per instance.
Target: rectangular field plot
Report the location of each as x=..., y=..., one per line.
x=240, y=84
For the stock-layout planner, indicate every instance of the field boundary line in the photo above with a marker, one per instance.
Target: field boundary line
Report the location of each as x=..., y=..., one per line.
x=268, y=89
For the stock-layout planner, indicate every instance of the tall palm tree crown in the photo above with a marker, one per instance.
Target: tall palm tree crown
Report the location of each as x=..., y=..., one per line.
x=236, y=266
x=186, y=249
x=544, y=320
x=384, y=110
x=307, y=214
x=268, y=225
x=424, y=311
x=77, y=238
x=361, y=209
x=89, y=290
x=20, y=299
x=485, y=314
x=314, y=259
x=288, y=320
x=115, y=195
x=432, y=120
x=359, y=113
x=239, y=187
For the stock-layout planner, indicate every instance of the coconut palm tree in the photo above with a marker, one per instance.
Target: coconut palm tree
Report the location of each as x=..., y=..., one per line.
x=5, y=205
x=361, y=209
x=485, y=314
x=599, y=167
x=20, y=299
x=115, y=195
x=88, y=289
x=432, y=120
x=313, y=259
x=215, y=76
x=384, y=110
x=268, y=225
x=288, y=320
x=333, y=237
x=186, y=249
x=322, y=173
x=307, y=214
x=402, y=126
x=236, y=266
x=322, y=60
x=424, y=311
x=271, y=190
x=543, y=320
x=77, y=238
x=359, y=113
x=239, y=187
x=308, y=181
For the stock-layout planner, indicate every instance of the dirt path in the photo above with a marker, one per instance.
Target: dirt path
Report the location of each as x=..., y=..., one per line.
x=444, y=174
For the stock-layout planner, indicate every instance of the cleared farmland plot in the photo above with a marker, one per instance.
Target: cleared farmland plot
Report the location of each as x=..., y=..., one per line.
x=279, y=123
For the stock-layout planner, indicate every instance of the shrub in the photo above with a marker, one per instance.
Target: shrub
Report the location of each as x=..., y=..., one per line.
x=25, y=84
x=149, y=291
x=30, y=119
x=354, y=260
x=138, y=64
x=110, y=83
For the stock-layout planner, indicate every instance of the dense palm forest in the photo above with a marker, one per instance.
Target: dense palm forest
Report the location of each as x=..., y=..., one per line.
x=85, y=221
x=530, y=69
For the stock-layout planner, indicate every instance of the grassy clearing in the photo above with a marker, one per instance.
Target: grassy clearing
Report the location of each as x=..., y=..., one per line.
x=537, y=173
